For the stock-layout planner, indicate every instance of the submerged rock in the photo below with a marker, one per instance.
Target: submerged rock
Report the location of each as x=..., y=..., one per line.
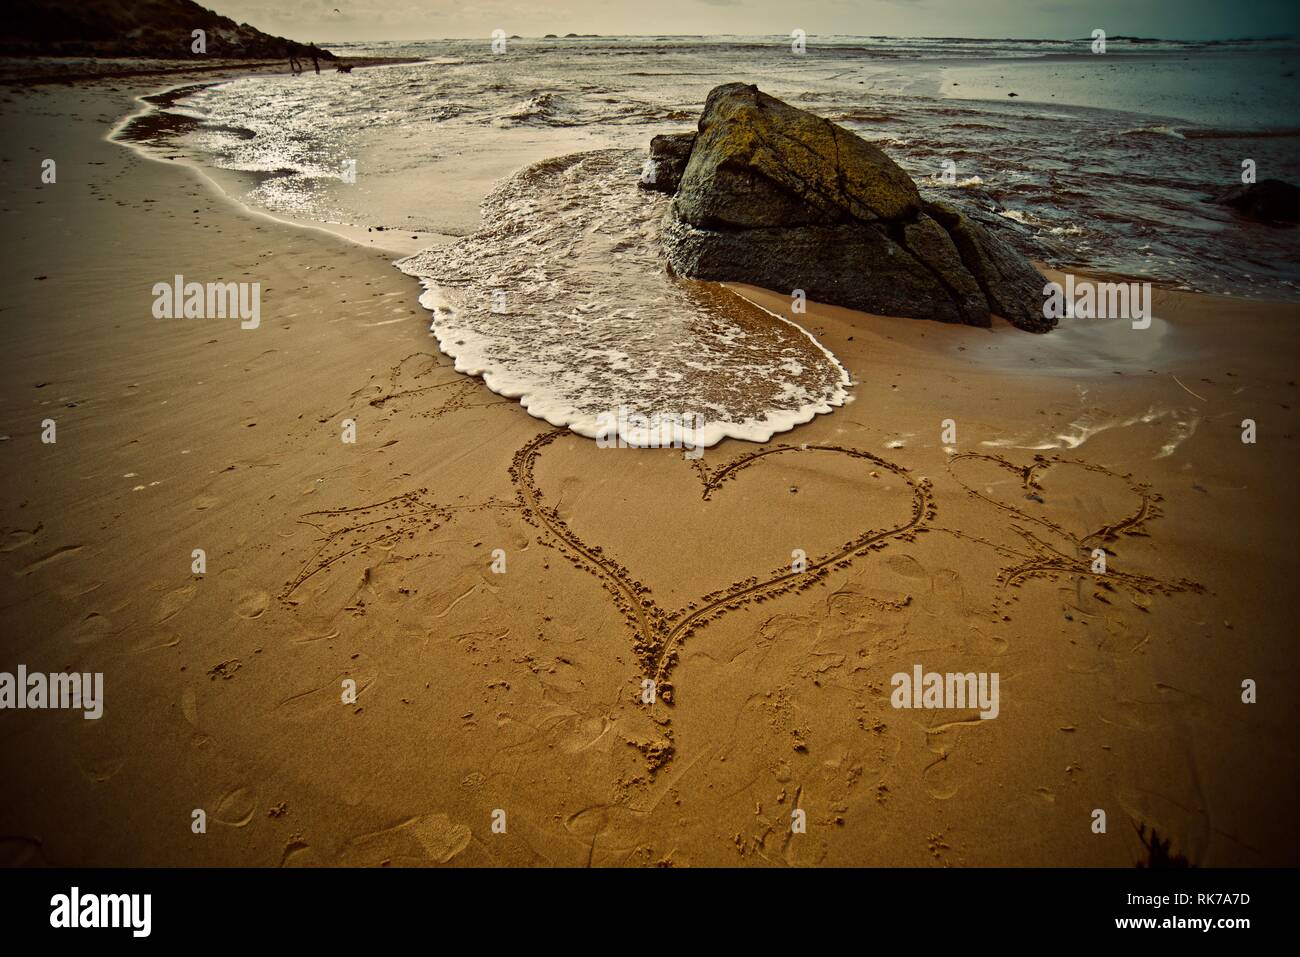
x=1268, y=201
x=775, y=196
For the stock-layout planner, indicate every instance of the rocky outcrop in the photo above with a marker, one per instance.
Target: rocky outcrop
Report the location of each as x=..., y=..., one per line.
x=1268, y=201
x=120, y=28
x=775, y=196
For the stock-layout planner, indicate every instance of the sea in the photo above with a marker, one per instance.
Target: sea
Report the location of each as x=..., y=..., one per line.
x=502, y=173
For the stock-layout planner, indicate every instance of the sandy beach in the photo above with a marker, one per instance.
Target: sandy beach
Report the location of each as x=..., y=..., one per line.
x=516, y=695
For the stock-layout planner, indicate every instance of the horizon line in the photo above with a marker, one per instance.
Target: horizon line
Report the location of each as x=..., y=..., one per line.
x=855, y=36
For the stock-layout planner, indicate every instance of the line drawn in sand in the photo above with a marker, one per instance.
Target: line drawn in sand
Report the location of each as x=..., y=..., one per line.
x=405, y=388
x=348, y=531
x=408, y=386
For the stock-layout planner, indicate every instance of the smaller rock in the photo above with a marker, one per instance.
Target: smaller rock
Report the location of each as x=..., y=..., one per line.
x=669, y=153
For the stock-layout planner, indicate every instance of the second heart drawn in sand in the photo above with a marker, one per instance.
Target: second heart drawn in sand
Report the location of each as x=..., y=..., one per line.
x=1061, y=544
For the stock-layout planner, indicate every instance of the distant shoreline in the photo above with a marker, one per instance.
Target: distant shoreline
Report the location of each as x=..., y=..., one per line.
x=35, y=71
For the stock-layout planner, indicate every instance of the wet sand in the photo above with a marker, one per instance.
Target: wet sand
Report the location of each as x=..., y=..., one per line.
x=521, y=692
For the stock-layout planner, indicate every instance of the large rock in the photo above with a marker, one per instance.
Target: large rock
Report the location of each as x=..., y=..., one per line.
x=1268, y=201
x=775, y=196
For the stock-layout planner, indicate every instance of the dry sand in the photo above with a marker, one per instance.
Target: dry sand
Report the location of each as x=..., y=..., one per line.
x=521, y=691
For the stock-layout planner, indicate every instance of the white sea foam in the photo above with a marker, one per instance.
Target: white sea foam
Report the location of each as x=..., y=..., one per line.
x=938, y=182
x=562, y=301
x=1156, y=131
x=1092, y=422
x=1018, y=216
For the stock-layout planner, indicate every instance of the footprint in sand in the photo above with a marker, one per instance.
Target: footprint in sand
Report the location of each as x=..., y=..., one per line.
x=17, y=538
x=949, y=589
x=938, y=779
x=974, y=640
x=562, y=680
x=156, y=642
x=174, y=601
x=433, y=837
x=298, y=853
x=252, y=604
x=1120, y=637
x=906, y=566
x=236, y=808
x=607, y=827
x=22, y=852
x=77, y=589
x=100, y=769
x=306, y=638
x=94, y=627
x=583, y=732
x=48, y=559
x=441, y=838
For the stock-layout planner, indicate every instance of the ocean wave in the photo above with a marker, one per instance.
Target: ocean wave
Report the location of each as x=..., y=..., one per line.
x=1173, y=131
x=543, y=107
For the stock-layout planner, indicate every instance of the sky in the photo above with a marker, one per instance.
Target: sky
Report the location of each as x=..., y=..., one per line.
x=333, y=20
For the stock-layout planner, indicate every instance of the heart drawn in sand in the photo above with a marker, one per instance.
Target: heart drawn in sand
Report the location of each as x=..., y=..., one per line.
x=1029, y=489
x=1070, y=509
x=660, y=631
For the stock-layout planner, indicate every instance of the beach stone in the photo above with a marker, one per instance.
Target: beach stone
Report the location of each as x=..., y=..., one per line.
x=1268, y=201
x=668, y=155
x=778, y=197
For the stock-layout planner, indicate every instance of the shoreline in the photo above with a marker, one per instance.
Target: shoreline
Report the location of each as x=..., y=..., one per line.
x=209, y=175
x=766, y=301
